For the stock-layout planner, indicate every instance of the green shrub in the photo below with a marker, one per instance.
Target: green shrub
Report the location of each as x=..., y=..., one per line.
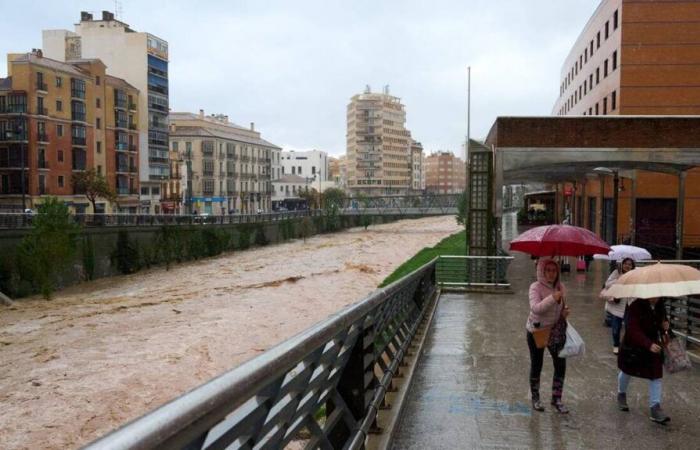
x=244, y=231
x=260, y=238
x=88, y=250
x=126, y=255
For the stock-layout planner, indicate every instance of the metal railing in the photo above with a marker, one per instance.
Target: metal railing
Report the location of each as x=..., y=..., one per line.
x=473, y=271
x=344, y=364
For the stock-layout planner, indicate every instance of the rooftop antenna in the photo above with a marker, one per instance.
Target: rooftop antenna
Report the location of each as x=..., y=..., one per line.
x=118, y=11
x=368, y=89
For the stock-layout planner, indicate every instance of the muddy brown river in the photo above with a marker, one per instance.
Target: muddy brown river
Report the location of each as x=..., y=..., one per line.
x=102, y=353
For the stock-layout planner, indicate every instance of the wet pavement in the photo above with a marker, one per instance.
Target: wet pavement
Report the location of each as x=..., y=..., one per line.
x=471, y=385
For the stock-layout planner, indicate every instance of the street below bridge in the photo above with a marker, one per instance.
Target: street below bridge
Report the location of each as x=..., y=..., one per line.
x=470, y=388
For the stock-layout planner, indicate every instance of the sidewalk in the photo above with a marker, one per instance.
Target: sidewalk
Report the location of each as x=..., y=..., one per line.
x=471, y=385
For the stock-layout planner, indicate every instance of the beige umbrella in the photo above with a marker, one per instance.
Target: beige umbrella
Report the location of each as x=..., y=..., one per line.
x=656, y=280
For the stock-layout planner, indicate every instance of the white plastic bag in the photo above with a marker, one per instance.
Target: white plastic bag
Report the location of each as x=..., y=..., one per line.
x=574, y=345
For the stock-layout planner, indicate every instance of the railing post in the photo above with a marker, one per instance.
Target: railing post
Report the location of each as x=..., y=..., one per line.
x=355, y=387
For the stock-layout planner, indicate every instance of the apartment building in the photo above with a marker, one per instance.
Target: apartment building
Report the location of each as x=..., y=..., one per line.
x=416, y=166
x=636, y=58
x=312, y=164
x=445, y=173
x=228, y=167
x=141, y=59
x=379, y=159
x=56, y=120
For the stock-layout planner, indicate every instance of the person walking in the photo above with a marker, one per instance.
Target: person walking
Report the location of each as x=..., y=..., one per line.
x=615, y=307
x=547, y=306
x=641, y=353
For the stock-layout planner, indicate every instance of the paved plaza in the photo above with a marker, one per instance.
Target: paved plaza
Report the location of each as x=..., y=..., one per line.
x=471, y=384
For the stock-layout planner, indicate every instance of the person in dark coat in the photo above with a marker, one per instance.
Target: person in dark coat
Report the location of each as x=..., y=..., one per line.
x=641, y=353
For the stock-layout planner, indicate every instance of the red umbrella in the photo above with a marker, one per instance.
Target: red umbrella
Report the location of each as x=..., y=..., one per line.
x=559, y=240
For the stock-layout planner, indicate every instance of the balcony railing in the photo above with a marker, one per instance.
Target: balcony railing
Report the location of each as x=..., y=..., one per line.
x=41, y=86
x=121, y=124
x=132, y=106
x=42, y=164
x=132, y=147
x=78, y=140
x=78, y=116
x=123, y=191
x=122, y=168
x=42, y=137
x=79, y=165
x=75, y=93
x=121, y=104
x=157, y=107
x=132, y=126
x=40, y=110
x=13, y=109
x=133, y=169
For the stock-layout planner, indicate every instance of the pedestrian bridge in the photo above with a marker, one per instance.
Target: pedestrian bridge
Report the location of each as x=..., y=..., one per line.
x=417, y=366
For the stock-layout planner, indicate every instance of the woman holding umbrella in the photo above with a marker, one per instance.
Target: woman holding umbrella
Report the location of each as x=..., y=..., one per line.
x=616, y=307
x=546, y=308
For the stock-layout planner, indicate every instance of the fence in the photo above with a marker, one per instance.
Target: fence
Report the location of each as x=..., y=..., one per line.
x=345, y=364
x=473, y=271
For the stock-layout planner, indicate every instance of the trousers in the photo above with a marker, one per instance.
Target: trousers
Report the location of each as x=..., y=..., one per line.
x=536, y=362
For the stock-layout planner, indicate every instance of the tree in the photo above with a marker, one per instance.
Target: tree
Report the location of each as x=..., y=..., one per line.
x=93, y=185
x=462, y=208
x=333, y=199
x=310, y=195
x=50, y=245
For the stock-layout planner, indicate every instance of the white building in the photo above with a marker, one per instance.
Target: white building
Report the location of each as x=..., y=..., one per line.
x=310, y=164
x=286, y=191
x=142, y=60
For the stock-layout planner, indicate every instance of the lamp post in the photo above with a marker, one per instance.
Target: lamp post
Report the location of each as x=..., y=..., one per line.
x=616, y=183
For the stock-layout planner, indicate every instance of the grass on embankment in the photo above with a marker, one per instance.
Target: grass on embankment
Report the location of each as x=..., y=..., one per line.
x=451, y=245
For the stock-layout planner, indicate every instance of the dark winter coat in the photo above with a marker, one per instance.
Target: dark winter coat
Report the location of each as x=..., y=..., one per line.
x=644, y=327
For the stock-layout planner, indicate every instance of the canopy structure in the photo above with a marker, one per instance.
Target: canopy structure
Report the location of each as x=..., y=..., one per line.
x=556, y=149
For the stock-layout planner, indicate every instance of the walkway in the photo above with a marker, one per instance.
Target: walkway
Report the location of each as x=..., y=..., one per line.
x=471, y=391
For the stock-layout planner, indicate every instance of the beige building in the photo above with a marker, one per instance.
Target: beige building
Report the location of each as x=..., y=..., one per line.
x=417, y=166
x=141, y=59
x=228, y=167
x=379, y=155
x=445, y=173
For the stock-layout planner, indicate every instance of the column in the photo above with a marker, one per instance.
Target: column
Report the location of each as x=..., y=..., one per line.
x=680, y=209
x=633, y=209
x=599, y=207
x=616, y=198
x=584, y=203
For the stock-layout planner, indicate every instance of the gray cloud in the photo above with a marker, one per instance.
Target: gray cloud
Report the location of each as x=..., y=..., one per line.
x=291, y=67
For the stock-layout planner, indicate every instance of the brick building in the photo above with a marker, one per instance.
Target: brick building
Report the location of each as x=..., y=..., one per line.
x=444, y=173
x=635, y=58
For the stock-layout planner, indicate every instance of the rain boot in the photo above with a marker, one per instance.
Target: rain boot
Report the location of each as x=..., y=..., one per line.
x=622, y=401
x=557, y=389
x=535, y=391
x=656, y=414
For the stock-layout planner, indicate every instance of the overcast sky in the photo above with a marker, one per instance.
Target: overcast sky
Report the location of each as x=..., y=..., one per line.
x=292, y=66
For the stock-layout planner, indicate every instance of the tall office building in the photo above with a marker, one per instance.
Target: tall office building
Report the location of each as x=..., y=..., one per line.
x=141, y=59
x=636, y=58
x=379, y=159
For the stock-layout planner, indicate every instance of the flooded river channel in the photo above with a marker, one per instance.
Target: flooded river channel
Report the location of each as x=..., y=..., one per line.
x=105, y=352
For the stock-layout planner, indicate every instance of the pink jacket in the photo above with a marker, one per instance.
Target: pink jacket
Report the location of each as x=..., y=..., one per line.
x=543, y=308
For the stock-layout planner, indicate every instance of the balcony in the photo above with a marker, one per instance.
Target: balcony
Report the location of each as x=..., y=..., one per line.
x=42, y=164
x=42, y=137
x=208, y=173
x=77, y=140
x=79, y=165
x=40, y=86
x=133, y=169
x=132, y=126
x=132, y=106
x=157, y=126
x=121, y=124
x=121, y=146
x=132, y=148
x=76, y=93
x=208, y=193
x=41, y=111
x=78, y=116
x=13, y=109
x=122, y=168
x=245, y=159
x=121, y=104
x=123, y=191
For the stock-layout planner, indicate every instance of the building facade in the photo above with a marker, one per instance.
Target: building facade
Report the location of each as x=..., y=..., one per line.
x=635, y=58
x=287, y=190
x=445, y=173
x=141, y=59
x=379, y=158
x=228, y=168
x=312, y=164
x=56, y=120
x=416, y=166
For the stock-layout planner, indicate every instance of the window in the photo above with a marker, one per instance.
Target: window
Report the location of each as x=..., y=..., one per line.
x=299, y=170
x=615, y=18
x=596, y=109
x=597, y=75
x=605, y=106
x=59, y=105
x=614, y=60
x=613, y=101
x=59, y=82
x=98, y=102
x=144, y=191
x=99, y=169
x=605, y=68
x=597, y=40
x=585, y=87
x=590, y=111
x=591, y=48
x=590, y=82
x=607, y=29
x=99, y=147
x=293, y=170
x=155, y=190
x=59, y=130
x=585, y=55
x=313, y=170
x=60, y=181
x=175, y=144
x=60, y=156
x=98, y=123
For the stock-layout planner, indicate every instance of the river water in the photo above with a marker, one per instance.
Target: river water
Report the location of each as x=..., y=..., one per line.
x=102, y=353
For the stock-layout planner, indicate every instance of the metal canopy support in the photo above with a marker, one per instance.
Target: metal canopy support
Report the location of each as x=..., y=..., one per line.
x=599, y=207
x=584, y=203
x=633, y=211
x=680, y=214
x=616, y=198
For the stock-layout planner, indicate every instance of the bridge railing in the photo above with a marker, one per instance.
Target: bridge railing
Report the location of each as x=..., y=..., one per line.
x=683, y=312
x=473, y=271
x=328, y=381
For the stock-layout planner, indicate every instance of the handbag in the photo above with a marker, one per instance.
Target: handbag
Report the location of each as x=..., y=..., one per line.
x=574, y=345
x=541, y=336
x=580, y=265
x=675, y=357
